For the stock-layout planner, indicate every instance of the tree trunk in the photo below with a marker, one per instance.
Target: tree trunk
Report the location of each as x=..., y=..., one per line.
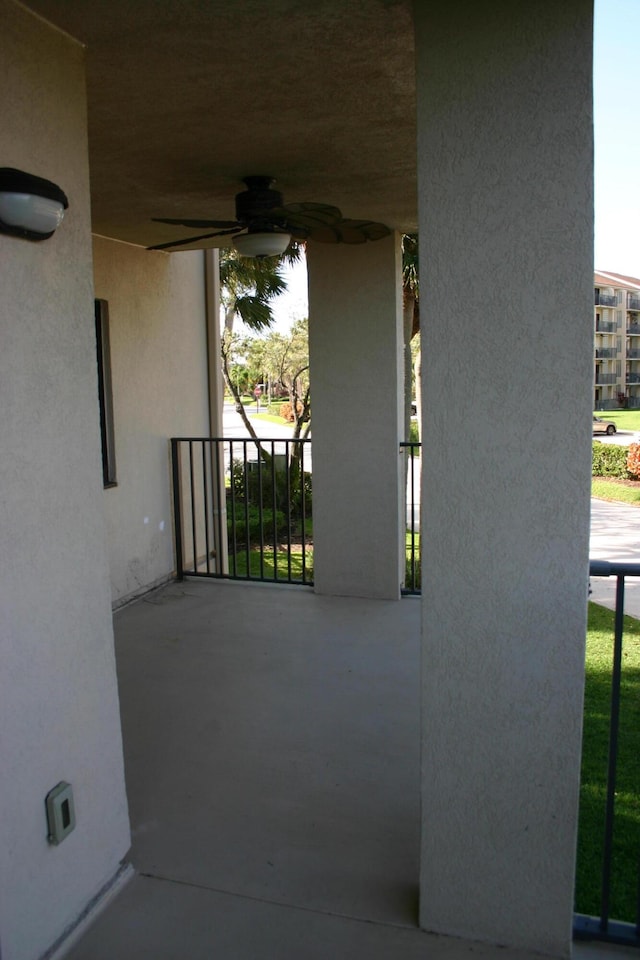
x=417, y=372
x=239, y=405
x=408, y=304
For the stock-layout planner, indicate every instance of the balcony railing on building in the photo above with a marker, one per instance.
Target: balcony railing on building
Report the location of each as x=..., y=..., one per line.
x=633, y=303
x=605, y=326
x=605, y=378
x=605, y=299
x=609, y=854
x=606, y=353
x=633, y=329
x=243, y=510
x=413, y=563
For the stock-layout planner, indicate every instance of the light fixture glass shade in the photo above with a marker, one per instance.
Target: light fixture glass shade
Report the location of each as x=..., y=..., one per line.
x=261, y=244
x=30, y=207
x=36, y=214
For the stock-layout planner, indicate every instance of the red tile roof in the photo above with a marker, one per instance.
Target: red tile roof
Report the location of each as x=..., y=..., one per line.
x=604, y=278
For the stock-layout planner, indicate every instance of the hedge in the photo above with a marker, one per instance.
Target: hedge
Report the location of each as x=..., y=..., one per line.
x=610, y=460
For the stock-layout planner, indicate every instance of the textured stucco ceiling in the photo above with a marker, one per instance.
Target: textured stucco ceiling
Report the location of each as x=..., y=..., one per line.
x=188, y=96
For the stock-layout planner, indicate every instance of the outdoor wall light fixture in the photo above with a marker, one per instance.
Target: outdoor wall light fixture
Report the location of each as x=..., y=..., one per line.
x=271, y=244
x=30, y=207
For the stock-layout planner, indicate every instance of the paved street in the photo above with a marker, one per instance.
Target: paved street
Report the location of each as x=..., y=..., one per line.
x=232, y=425
x=615, y=535
x=623, y=437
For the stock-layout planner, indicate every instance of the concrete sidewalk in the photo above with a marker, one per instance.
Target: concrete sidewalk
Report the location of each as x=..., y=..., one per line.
x=615, y=535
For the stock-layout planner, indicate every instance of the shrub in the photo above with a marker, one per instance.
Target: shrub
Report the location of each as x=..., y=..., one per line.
x=633, y=461
x=609, y=460
x=268, y=524
x=286, y=411
x=288, y=493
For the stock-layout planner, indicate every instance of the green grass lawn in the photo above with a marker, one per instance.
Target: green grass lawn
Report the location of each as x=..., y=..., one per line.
x=270, y=569
x=413, y=565
x=623, y=419
x=624, y=887
x=611, y=489
x=272, y=418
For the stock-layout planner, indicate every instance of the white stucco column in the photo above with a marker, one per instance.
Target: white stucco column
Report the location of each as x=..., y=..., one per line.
x=505, y=194
x=355, y=338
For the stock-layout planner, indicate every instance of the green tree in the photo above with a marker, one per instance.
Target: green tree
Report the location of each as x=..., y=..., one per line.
x=285, y=358
x=248, y=287
x=411, y=325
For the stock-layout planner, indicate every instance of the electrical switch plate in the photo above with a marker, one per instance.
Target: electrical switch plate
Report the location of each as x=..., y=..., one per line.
x=61, y=815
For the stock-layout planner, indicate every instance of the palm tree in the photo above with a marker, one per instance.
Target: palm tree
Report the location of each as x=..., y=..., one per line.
x=248, y=286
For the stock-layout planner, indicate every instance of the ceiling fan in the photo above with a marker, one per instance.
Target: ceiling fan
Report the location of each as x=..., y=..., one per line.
x=264, y=225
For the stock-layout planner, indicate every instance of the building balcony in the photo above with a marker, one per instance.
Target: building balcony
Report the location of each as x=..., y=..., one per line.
x=272, y=751
x=633, y=303
x=634, y=329
x=607, y=353
x=605, y=300
x=605, y=378
x=633, y=378
x=605, y=326
x=633, y=354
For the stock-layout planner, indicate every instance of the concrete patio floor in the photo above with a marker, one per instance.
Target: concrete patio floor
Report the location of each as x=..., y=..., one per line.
x=271, y=743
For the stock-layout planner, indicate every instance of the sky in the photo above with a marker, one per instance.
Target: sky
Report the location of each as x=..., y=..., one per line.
x=616, y=87
x=617, y=136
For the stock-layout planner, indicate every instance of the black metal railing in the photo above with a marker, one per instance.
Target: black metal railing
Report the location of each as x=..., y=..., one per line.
x=633, y=303
x=413, y=566
x=604, y=299
x=603, y=927
x=243, y=509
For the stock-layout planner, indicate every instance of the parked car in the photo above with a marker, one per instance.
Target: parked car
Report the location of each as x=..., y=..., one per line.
x=604, y=426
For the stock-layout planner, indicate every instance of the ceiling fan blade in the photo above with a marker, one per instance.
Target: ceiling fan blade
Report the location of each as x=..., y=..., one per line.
x=303, y=216
x=366, y=228
x=186, y=240
x=350, y=231
x=199, y=224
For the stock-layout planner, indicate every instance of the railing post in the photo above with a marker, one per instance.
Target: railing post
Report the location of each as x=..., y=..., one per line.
x=177, y=506
x=614, y=725
x=219, y=497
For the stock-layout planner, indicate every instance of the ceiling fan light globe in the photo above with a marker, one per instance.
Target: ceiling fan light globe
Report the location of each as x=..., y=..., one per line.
x=271, y=244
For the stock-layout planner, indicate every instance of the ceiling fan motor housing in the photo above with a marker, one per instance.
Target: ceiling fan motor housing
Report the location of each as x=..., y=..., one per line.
x=257, y=200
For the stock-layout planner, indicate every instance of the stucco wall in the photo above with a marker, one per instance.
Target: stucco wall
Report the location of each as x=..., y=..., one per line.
x=505, y=190
x=159, y=369
x=58, y=698
x=355, y=341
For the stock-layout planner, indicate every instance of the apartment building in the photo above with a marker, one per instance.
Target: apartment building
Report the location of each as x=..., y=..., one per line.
x=617, y=341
